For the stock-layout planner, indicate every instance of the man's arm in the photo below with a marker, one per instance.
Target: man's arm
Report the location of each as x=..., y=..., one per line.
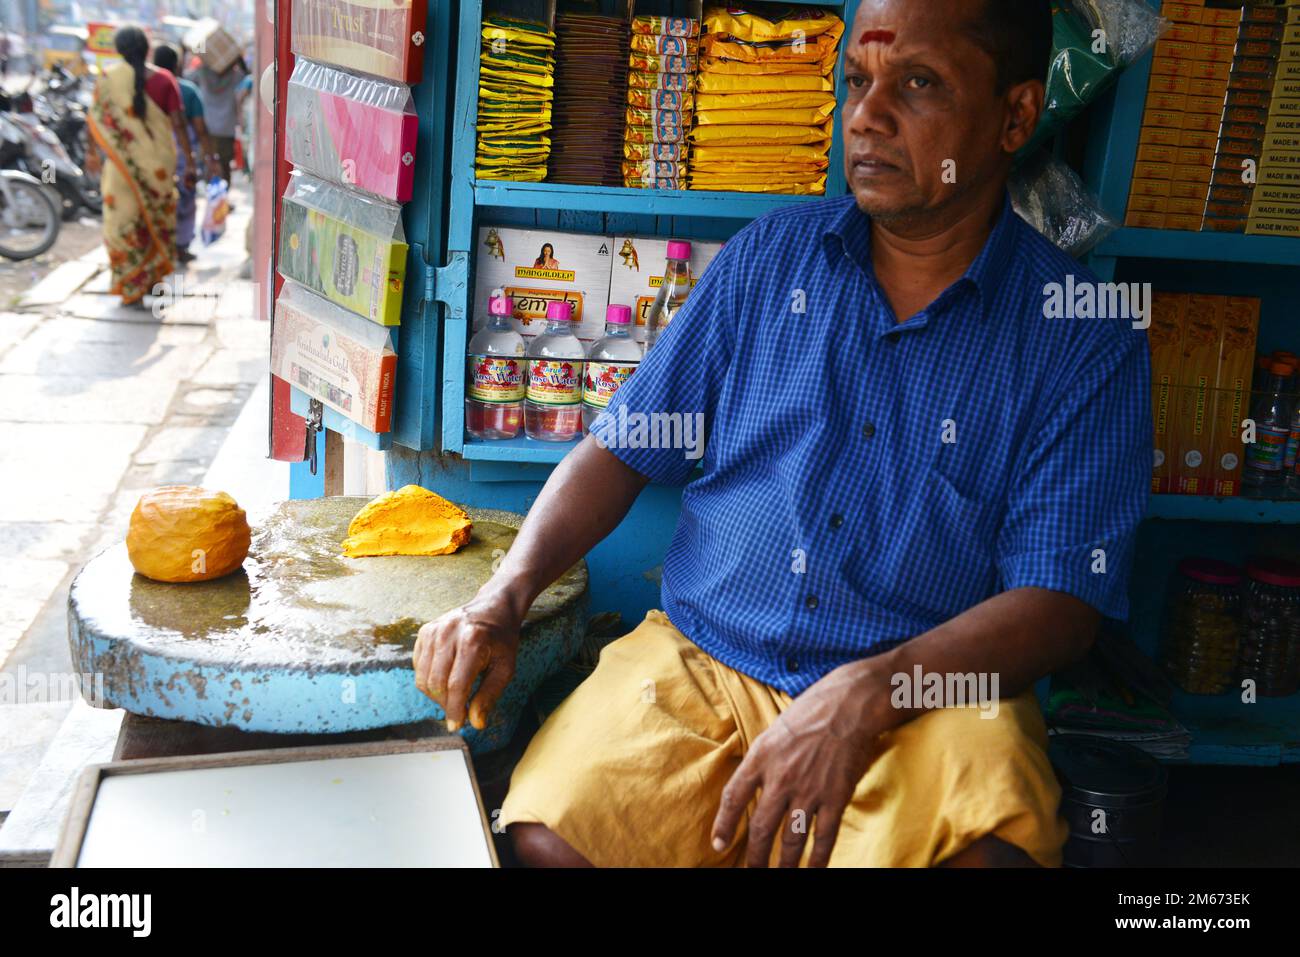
x=585, y=498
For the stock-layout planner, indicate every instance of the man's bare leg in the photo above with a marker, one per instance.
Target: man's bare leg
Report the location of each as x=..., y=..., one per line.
x=989, y=851
x=536, y=845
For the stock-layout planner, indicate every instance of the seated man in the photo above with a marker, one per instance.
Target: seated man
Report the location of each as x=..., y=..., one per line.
x=910, y=476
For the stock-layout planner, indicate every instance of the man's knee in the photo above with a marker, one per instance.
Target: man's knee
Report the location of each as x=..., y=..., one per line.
x=536, y=845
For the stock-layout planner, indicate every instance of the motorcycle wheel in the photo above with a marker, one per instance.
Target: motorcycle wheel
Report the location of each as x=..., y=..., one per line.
x=26, y=209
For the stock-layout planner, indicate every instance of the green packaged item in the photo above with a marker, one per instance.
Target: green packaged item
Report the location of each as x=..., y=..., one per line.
x=344, y=245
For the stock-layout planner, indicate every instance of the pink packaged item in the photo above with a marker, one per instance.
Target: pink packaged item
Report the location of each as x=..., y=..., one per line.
x=355, y=130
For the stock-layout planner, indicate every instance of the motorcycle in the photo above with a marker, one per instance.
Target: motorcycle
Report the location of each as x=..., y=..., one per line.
x=46, y=158
x=63, y=108
x=29, y=220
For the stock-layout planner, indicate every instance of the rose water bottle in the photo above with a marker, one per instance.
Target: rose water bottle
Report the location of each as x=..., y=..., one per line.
x=672, y=291
x=553, y=399
x=610, y=363
x=494, y=390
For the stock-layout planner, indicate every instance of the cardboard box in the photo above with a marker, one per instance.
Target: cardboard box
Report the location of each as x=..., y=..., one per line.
x=1140, y=220
x=215, y=47
x=1185, y=207
x=1202, y=332
x=1153, y=170
x=1159, y=136
x=1220, y=16
x=1194, y=158
x=1205, y=122
x=1273, y=227
x=1192, y=174
x=637, y=273
x=1154, y=153
x=539, y=266
x=1177, y=85
x=1232, y=391
x=1171, y=119
x=1149, y=204
x=1174, y=221
x=1149, y=187
x=334, y=355
x=1165, y=339
x=1234, y=225
x=1196, y=140
x=1166, y=102
x=1188, y=190
x=1181, y=12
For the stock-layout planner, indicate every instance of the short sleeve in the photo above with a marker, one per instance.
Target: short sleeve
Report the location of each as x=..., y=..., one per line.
x=1072, y=519
x=658, y=423
x=165, y=91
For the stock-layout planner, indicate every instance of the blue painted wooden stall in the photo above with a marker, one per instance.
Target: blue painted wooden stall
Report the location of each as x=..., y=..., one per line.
x=428, y=445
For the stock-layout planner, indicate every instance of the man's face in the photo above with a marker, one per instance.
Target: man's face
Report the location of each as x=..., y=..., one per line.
x=923, y=120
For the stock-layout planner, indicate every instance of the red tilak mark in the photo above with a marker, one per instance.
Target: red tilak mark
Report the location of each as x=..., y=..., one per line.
x=871, y=36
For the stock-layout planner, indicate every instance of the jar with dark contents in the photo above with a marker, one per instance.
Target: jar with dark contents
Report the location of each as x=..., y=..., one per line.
x=1270, y=638
x=1203, y=625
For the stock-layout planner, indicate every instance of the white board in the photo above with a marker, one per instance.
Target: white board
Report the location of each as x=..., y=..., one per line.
x=414, y=809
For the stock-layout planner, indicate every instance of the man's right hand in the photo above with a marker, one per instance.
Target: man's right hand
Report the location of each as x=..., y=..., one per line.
x=480, y=637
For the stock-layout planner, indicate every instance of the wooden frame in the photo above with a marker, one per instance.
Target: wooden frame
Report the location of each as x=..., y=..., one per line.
x=71, y=838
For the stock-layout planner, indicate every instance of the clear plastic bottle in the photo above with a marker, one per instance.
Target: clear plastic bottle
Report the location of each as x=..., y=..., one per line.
x=553, y=400
x=672, y=291
x=1291, y=459
x=494, y=387
x=610, y=362
x=1272, y=415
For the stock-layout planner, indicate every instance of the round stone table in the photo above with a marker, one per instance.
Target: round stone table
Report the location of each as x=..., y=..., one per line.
x=303, y=640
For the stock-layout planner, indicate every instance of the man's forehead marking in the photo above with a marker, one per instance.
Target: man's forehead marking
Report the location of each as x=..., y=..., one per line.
x=877, y=36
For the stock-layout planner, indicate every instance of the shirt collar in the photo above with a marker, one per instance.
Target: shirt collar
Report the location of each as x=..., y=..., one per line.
x=850, y=233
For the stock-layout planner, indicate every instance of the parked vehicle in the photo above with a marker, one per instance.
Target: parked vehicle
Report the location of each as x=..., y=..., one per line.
x=42, y=155
x=29, y=220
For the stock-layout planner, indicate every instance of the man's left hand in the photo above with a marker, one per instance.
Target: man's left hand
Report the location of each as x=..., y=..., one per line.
x=807, y=765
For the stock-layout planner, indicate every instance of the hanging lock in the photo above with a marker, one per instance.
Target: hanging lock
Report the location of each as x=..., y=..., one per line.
x=315, y=414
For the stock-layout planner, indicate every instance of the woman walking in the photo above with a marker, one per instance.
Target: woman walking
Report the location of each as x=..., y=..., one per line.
x=136, y=111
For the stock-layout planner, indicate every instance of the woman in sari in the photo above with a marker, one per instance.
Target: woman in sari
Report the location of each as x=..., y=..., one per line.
x=136, y=111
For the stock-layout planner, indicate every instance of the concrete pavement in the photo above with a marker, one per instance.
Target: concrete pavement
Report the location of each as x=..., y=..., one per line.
x=97, y=404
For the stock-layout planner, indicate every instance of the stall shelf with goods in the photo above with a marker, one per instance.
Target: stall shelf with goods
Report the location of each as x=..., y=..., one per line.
x=1218, y=256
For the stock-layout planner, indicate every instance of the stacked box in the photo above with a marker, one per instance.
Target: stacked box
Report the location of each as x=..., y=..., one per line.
x=1180, y=124
x=1275, y=201
x=763, y=114
x=1241, y=135
x=590, y=86
x=1232, y=391
x=660, y=101
x=1165, y=338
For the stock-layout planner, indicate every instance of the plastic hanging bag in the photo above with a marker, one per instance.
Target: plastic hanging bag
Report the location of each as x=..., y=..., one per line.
x=218, y=208
x=1092, y=42
x=1052, y=198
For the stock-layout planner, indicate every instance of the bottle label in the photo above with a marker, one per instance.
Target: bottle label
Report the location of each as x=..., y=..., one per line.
x=602, y=380
x=555, y=381
x=1269, y=450
x=1292, y=450
x=496, y=378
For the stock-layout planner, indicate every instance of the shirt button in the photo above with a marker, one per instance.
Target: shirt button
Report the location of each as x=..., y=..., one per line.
x=891, y=338
x=810, y=602
x=837, y=521
x=868, y=430
x=792, y=664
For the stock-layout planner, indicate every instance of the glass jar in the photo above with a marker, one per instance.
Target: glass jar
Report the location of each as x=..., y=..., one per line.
x=1203, y=625
x=1270, y=638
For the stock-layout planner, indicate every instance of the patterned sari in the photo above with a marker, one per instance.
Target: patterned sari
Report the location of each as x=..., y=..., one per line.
x=138, y=184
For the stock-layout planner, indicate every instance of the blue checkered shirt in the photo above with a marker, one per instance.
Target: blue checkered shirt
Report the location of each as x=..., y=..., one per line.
x=864, y=480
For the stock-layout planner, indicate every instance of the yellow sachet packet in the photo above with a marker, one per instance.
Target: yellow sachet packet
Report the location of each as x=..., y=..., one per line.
x=772, y=170
x=523, y=174
x=808, y=116
x=660, y=100
x=764, y=101
x=664, y=152
x=821, y=50
x=666, y=26
x=527, y=79
x=816, y=187
x=764, y=83
x=683, y=82
x=792, y=152
x=722, y=65
x=664, y=45
x=736, y=135
x=756, y=29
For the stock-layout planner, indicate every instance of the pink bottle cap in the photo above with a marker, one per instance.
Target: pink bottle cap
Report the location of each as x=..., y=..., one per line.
x=678, y=249
x=558, y=309
x=619, y=315
x=501, y=306
x=1210, y=571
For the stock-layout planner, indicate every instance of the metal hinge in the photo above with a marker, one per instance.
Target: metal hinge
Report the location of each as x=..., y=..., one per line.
x=447, y=284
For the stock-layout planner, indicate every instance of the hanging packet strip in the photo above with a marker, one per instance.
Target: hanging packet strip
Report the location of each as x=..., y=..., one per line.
x=791, y=152
x=384, y=39
x=658, y=118
x=660, y=152
x=332, y=355
x=753, y=28
x=684, y=82
x=350, y=129
x=820, y=50
x=721, y=65
x=804, y=117
x=765, y=101
x=817, y=188
x=345, y=245
x=646, y=135
x=660, y=100
x=513, y=30
x=654, y=63
x=737, y=135
x=664, y=46
x=666, y=26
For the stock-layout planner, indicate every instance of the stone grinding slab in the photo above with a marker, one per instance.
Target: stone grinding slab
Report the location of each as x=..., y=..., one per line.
x=303, y=639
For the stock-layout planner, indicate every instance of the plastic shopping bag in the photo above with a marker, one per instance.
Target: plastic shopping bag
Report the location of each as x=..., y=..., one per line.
x=218, y=208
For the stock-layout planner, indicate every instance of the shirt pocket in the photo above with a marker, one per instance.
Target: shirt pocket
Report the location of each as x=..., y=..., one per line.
x=941, y=558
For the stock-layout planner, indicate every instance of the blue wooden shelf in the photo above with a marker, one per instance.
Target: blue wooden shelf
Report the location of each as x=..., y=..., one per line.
x=521, y=449
x=1226, y=731
x=1205, y=508
x=1200, y=247
x=713, y=204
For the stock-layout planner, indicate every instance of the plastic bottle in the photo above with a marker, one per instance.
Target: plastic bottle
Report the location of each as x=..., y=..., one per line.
x=553, y=400
x=1291, y=463
x=610, y=363
x=1272, y=415
x=672, y=291
x=495, y=361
